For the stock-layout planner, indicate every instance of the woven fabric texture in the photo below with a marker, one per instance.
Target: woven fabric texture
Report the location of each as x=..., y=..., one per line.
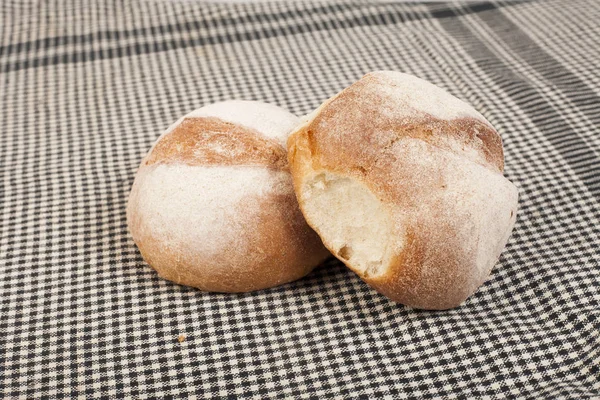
x=87, y=86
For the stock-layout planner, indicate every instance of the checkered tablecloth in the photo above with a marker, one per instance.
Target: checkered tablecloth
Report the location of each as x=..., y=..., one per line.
x=87, y=86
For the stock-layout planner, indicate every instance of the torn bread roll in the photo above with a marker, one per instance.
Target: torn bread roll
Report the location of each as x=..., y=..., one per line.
x=213, y=206
x=403, y=182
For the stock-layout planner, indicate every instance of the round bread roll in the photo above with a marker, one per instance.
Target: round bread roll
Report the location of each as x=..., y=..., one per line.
x=403, y=182
x=213, y=206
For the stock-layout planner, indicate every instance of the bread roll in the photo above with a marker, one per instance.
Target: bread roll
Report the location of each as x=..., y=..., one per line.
x=212, y=205
x=403, y=182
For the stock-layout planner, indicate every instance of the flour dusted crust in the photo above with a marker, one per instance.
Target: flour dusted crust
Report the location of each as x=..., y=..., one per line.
x=212, y=141
x=403, y=182
x=212, y=205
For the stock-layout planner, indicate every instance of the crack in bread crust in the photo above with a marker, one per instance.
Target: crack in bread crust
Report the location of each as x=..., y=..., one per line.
x=212, y=141
x=437, y=171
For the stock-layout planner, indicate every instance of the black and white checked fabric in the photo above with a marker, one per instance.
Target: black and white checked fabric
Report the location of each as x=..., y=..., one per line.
x=87, y=86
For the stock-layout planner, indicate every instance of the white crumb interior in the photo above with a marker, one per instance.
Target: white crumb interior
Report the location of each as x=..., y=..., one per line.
x=352, y=222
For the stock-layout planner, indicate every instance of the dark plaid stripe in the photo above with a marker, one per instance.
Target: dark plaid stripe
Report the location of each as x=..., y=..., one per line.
x=306, y=25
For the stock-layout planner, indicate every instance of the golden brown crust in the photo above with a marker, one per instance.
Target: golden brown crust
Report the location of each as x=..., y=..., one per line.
x=212, y=141
x=403, y=281
x=263, y=238
x=467, y=136
x=434, y=176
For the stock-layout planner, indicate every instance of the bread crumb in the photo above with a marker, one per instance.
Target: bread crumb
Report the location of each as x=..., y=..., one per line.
x=181, y=338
